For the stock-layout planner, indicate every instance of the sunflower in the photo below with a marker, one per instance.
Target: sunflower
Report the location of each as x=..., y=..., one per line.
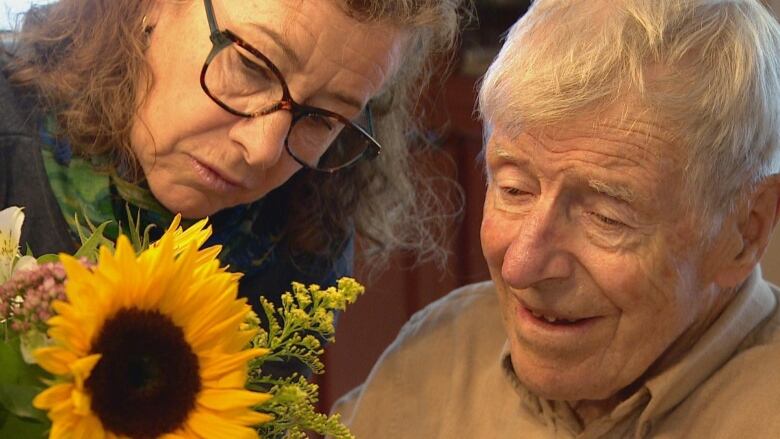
x=151, y=345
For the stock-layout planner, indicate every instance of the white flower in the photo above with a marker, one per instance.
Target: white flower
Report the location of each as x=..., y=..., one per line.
x=30, y=341
x=11, y=220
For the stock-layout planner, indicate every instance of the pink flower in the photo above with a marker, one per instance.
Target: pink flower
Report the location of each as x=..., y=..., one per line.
x=26, y=298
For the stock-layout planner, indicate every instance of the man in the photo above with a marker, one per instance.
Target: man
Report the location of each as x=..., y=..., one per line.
x=633, y=160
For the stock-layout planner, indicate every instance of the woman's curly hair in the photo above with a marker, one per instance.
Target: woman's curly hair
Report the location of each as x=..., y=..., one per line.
x=85, y=61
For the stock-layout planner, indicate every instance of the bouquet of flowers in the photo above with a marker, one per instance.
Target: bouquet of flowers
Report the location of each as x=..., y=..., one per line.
x=145, y=340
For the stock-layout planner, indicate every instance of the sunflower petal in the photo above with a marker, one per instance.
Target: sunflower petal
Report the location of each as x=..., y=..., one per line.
x=216, y=366
x=62, y=410
x=52, y=396
x=62, y=429
x=207, y=336
x=232, y=380
x=88, y=427
x=240, y=340
x=81, y=402
x=71, y=336
x=82, y=367
x=230, y=399
x=54, y=359
x=209, y=425
x=246, y=416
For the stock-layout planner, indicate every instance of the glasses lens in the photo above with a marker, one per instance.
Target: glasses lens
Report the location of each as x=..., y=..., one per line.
x=242, y=81
x=326, y=143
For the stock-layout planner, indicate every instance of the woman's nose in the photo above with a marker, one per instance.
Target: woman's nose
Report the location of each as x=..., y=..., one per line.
x=537, y=252
x=262, y=138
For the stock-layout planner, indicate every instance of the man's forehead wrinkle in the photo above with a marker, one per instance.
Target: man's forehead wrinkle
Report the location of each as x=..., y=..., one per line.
x=644, y=135
x=604, y=146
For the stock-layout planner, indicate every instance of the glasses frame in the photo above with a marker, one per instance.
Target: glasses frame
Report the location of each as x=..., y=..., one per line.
x=222, y=39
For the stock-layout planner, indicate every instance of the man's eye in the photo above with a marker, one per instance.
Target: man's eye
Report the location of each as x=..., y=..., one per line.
x=513, y=191
x=610, y=222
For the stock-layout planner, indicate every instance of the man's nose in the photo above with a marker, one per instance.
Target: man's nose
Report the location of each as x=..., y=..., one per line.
x=538, y=251
x=262, y=138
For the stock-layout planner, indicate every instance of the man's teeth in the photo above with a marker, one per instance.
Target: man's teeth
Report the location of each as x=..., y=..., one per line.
x=551, y=319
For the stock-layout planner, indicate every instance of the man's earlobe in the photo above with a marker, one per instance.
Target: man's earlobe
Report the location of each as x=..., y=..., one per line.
x=754, y=230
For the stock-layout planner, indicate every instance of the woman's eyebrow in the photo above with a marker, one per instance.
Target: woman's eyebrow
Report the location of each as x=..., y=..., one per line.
x=279, y=40
x=346, y=100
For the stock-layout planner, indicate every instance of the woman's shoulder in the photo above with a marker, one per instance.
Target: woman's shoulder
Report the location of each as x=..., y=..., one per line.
x=19, y=149
x=15, y=106
x=23, y=180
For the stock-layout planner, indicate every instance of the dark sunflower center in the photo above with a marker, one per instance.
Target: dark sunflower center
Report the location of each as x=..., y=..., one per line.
x=147, y=379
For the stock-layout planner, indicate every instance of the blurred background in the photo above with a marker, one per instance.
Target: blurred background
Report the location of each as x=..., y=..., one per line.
x=403, y=288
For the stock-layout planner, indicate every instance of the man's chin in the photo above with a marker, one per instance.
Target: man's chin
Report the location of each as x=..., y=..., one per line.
x=565, y=385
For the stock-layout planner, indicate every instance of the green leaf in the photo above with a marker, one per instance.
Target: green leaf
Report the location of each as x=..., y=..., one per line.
x=17, y=400
x=43, y=259
x=14, y=427
x=89, y=249
x=134, y=226
x=14, y=370
x=19, y=384
x=11, y=359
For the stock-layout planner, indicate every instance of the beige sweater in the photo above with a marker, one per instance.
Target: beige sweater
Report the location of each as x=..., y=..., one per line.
x=447, y=375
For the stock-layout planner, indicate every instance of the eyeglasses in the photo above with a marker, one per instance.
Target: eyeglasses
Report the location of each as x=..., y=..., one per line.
x=244, y=82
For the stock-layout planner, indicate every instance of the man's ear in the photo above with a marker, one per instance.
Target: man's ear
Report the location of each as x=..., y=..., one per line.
x=756, y=222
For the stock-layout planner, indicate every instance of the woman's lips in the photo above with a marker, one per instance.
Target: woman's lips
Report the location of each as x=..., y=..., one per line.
x=212, y=178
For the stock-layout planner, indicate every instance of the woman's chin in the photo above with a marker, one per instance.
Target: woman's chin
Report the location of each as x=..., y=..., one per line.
x=192, y=207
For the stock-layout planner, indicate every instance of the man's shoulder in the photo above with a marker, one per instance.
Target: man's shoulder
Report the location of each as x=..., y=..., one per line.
x=463, y=326
x=753, y=369
x=444, y=364
x=741, y=398
x=464, y=307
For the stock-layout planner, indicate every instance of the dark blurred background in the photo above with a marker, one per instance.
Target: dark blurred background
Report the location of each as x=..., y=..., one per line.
x=370, y=325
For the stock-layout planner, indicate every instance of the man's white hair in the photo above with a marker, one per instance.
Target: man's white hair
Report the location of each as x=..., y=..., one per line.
x=708, y=69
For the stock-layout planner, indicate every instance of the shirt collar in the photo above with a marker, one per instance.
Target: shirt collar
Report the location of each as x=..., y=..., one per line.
x=751, y=305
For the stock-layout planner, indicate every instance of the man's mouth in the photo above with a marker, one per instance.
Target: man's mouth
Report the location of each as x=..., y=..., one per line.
x=554, y=320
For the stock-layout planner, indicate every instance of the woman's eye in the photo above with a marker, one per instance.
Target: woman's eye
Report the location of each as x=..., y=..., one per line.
x=322, y=121
x=316, y=122
x=254, y=67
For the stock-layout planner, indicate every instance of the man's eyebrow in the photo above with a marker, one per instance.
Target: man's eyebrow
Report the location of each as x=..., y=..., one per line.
x=506, y=155
x=618, y=191
x=280, y=41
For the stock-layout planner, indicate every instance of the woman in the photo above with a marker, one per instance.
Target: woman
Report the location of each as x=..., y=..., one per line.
x=267, y=116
